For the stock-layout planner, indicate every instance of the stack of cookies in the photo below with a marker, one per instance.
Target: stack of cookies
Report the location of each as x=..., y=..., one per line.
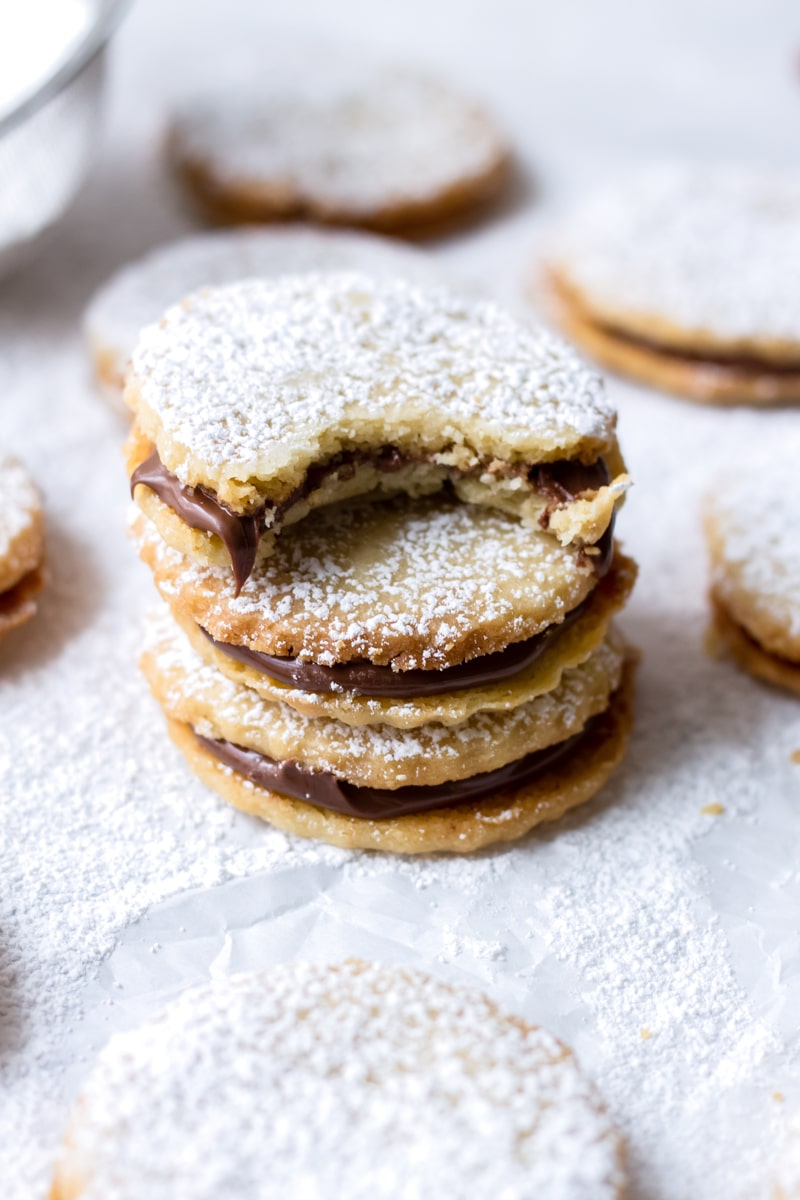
x=381, y=517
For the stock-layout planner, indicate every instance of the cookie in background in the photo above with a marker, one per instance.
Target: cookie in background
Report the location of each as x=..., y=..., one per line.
x=21, y=544
x=753, y=540
x=687, y=279
x=339, y=141
x=355, y=1081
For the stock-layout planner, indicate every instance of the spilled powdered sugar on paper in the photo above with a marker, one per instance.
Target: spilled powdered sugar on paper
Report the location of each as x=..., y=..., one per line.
x=442, y=1091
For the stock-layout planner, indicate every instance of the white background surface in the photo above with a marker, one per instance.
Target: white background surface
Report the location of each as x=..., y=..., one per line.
x=640, y=913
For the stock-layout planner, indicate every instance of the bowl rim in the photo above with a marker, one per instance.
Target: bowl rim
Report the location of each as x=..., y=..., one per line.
x=109, y=14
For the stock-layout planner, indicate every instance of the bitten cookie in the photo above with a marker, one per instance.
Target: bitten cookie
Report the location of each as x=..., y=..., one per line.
x=140, y=292
x=21, y=544
x=353, y=1081
x=686, y=278
x=259, y=402
x=389, y=150
x=754, y=546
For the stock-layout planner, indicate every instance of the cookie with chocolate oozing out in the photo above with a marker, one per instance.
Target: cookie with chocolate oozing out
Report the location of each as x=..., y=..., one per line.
x=754, y=546
x=140, y=292
x=351, y=1080
x=420, y=585
x=686, y=278
x=263, y=401
x=21, y=544
x=363, y=693
x=384, y=149
x=375, y=757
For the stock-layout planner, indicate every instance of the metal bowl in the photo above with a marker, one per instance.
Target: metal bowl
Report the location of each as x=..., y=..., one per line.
x=46, y=142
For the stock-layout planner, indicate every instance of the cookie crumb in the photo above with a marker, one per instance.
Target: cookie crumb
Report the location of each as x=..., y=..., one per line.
x=645, y=1034
x=795, y=756
x=713, y=810
x=779, y=1096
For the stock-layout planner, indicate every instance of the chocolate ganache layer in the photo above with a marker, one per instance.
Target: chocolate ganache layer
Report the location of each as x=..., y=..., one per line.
x=200, y=509
x=363, y=678
x=325, y=790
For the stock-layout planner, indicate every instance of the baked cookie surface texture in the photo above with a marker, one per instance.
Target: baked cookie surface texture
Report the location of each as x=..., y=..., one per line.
x=350, y=1081
x=140, y=292
x=21, y=543
x=686, y=278
x=754, y=547
x=382, y=521
x=389, y=150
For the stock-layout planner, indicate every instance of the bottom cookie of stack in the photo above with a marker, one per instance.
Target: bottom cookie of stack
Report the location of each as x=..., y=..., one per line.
x=491, y=778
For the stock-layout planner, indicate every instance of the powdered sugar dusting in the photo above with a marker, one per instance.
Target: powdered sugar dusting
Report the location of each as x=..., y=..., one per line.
x=358, y=1082
x=19, y=500
x=256, y=376
x=712, y=249
x=374, y=583
x=754, y=510
x=237, y=714
x=344, y=135
x=141, y=292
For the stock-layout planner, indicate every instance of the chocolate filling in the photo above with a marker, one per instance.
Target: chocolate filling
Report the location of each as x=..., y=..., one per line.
x=719, y=361
x=364, y=678
x=323, y=789
x=200, y=509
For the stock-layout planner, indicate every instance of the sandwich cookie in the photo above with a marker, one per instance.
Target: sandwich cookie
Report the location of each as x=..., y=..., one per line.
x=432, y=788
x=354, y=1081
x=263, y=401
x=754, y=547
x=139, y=293
x=687, y=278
x=389, y=150
x=21, y=544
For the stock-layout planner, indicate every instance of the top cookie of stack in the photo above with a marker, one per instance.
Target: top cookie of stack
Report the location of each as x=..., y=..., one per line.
x=428, y=662
x=274, y=398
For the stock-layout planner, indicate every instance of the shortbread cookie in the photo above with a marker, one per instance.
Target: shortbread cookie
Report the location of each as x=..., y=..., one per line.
x=382, y=757
x=686, y=278
x=262, y=400
x=352, y=1081
x=21, y=544
x=140, y=292
x=365, y=694
x=387, y=150
x=754, y=547
x=411, y=584
x=532, y=792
